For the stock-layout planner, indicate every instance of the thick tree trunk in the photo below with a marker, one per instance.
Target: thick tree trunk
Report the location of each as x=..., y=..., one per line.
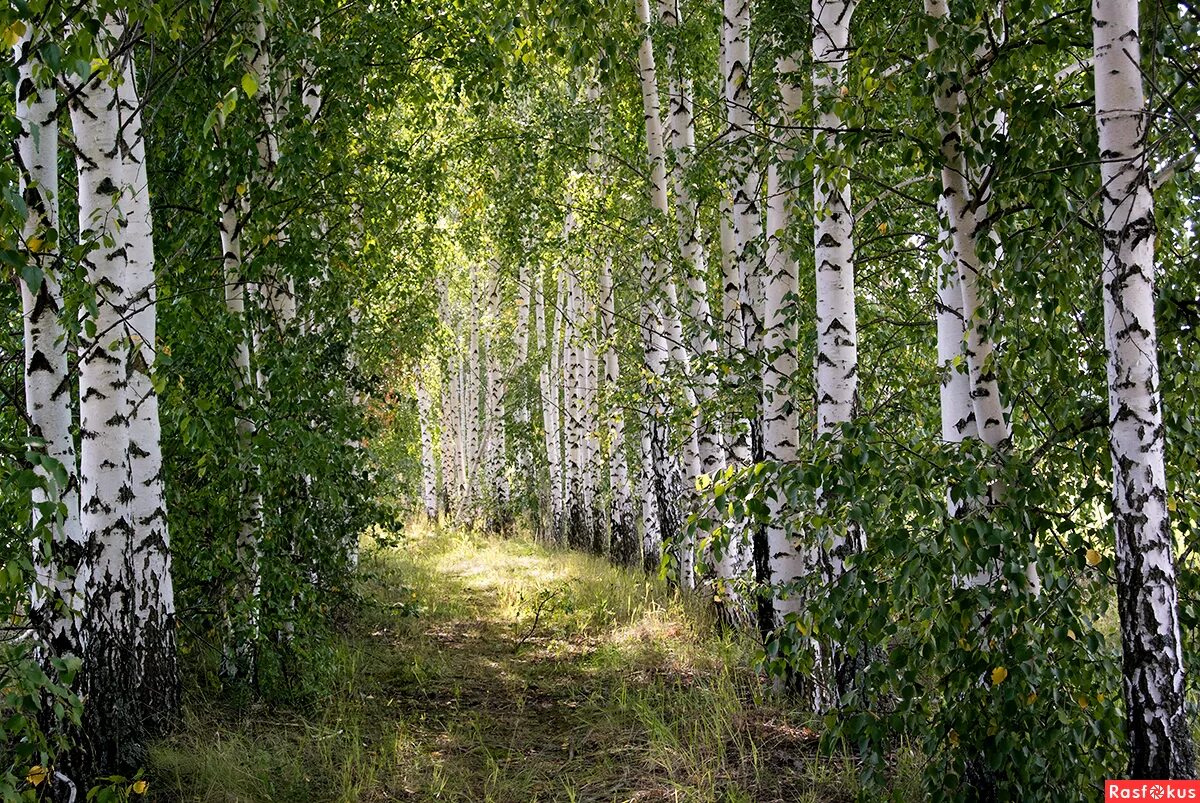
x=112, y=717
x=60, y=566
x=1160, y=744
x=150, y=560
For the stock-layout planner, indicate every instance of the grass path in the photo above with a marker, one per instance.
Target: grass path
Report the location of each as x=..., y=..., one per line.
x=496, y=670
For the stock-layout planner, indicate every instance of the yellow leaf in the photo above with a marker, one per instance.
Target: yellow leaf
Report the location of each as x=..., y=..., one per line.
x=1083, y=701
x=998, y=675
x=1092, y=557
x=37, y=774
x=883, y=227
x=139, y=787
x=13, y=33
x=1031, y=699
x=241, y=189
x=35, y=245
x=249, y=85
x=953, y=737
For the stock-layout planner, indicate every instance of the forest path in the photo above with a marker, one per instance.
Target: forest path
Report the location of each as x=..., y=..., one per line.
x=487, y=669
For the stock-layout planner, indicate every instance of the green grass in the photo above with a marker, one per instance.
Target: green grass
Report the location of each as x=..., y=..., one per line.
x=443, y=688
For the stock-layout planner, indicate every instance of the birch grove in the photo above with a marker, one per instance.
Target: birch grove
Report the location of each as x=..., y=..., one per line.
x=782, y=310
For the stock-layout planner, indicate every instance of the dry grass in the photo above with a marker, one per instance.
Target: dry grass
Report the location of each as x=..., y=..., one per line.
x=445, y=689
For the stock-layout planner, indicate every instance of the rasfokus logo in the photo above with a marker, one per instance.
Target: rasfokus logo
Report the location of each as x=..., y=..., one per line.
x=1151, y=790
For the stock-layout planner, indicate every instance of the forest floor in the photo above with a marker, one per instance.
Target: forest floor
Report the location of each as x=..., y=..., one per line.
x=486, y=669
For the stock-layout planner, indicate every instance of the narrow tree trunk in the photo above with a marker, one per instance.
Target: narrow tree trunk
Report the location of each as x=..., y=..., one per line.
x=837, y=328
x=744, y=177
x=428, y=470
x=965, y=211
x=279, y=291
x=550, y=381
x=786, y=563
x=623, y=547
x=661, y=327
x=1160, y=744
x=244, y=629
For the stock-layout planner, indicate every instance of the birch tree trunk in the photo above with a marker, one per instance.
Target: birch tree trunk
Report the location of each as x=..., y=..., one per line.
x=622, y=544
x=521, y=386
x=957, y=411
x=495, y=480
x=837, y=327
x=60, y=566
x=965, y=210
x=428, y=470
x=549, y=379
x=244, y=630
x=112, y=716
x=1159, y=738
x=744, y=177
x=786, y=563
x=572, y=399
x=279, y=292
x=661, y=327
x=153, y=590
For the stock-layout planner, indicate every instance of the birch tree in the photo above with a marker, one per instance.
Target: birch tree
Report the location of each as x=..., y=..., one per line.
x=1157, y=729
x=428, y=470
x=786, y=563
x=837, y=323
x=623, y=546
x=60, y=567
x=150, y=556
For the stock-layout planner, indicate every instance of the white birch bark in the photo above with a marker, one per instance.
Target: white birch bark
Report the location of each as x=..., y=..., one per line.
x=623, y=547
x=957, y=411
x=837, y=327
x=744, y=176
x=60, y=565
x=278, y=291
x=150, y=559
x=965, y=210
x=786, y=563
x=428, y=470
x=661, y=327
x=1157, y=729
x=495, y=480
x=551, y=392
x=472, y=464
x=247, y=588
x=683, y=140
